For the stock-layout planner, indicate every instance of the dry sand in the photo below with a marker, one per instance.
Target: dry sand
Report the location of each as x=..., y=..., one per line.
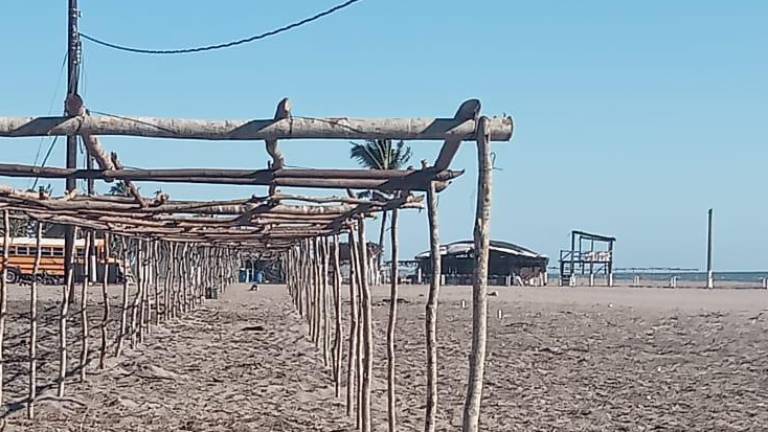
x=571, y=359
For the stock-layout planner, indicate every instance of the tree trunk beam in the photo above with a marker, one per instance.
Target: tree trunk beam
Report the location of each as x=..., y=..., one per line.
x=342, y=128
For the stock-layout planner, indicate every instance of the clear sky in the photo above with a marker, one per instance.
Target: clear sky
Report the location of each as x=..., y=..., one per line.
x=632, y=118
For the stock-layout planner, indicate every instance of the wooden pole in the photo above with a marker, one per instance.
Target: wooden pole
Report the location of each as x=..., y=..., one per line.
x=351, y=353
x=84, y=305
x=431, y=310
x=338, y=338
x=105, y=299
x=33, y=326
x=358, y=358
x=73, y=78
x=391, y=408
x=324, y=294
x=69, y=286
x=482, y=233
x=710, y=276
x=4, y=296
x=344, y=128
x=367, y=330
x=124, y=305
x=135, y=325
x=156, y=279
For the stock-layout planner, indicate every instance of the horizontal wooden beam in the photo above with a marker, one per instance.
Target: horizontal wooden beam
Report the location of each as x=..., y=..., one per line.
x=310, y=178
x=342, y=128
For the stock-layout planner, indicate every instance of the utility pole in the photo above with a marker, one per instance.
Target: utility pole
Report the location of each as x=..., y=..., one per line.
x=73, y=78
x=710, y=276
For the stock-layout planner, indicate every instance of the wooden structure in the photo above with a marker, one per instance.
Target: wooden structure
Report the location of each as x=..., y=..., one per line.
x=590, y=254
x=507, y=262
x=181, y=252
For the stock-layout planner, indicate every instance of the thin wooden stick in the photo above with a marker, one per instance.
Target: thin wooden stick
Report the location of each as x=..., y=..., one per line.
x=84, y=306
x=352, y=352
x=69, y=287
x=431, y=311
x=367, y=330
x=135, y=304
x=471, y=415
x=33, y=326
x=156, y=280
x=124, y=305
x=105, y=299
x=338, y=339
x=391, y=408
x=4, y=296
x=323, y=241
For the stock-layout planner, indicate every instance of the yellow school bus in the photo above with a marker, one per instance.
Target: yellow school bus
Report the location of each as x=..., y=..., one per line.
x=23, y=250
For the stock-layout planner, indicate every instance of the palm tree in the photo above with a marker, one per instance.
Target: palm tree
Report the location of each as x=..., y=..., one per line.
x=119, y=189
x=380, y=154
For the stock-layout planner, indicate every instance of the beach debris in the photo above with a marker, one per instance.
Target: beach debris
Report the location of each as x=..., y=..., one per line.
x=493, y=294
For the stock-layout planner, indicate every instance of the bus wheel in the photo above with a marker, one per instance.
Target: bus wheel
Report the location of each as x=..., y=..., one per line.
x=12, y=276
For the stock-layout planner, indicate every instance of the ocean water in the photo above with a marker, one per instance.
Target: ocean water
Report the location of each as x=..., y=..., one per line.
x=750, y=277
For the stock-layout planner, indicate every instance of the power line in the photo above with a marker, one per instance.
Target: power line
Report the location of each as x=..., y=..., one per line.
x=222, y=45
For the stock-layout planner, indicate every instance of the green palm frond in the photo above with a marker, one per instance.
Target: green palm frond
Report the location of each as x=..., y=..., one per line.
x=119, y=189
x=380, y=154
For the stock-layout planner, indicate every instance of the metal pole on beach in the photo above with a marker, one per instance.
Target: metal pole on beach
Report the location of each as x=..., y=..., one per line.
x=710, y=277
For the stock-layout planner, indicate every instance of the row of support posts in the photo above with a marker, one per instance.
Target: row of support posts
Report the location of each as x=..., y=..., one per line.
x=170, y=279
x=307, y=281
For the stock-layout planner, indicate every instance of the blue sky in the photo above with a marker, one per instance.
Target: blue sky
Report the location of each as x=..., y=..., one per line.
x=633, y=118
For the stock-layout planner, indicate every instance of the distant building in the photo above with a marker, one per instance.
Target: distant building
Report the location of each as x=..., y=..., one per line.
x=509, y=264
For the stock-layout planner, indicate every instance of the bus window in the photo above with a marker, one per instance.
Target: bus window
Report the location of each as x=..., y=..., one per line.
x=58, y=252
x=46, y=252
x=22, y=250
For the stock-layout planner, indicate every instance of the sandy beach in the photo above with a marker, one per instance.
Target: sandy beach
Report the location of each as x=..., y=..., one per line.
x=569, y=359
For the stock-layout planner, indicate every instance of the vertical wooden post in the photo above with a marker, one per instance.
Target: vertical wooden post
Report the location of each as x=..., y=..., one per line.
x=69, y=287
x=135, y=304
x=33, y=325
x=4, y=296
x=431, y=309
x=338, y=334
x=471, y=417
x=391, y=408
x=73, y=78
x=367, y=329
x=324, y=294
x=156, y=279
x=358, y=277
x=351, y=354
x=124, y=305
x=84, y=304
x=105, y=299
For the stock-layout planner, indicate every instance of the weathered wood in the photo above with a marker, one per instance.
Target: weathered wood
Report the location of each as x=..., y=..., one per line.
x=431, y=311
x=469, y=110
x=32, y=395
x=124, y=304
x=391, y=407
x=471, y=415
x=132, y=189
x=278, y=160
x=310, y=178
x=367, y=330
x=351, y=353
x=4, y=298
x=67, y=290
x=105, y=319
x=339, y=329
x=342, y=128
x=84, y=306
x=156, y=279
